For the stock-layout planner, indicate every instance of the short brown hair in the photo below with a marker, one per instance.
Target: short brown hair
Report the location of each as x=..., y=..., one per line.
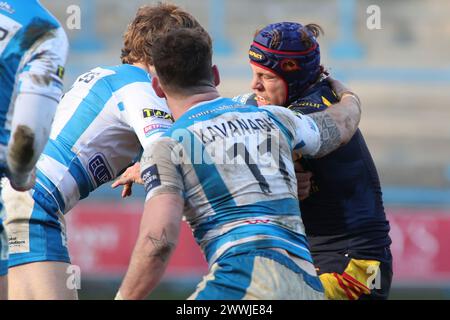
x=149, y=23
x=183, y=59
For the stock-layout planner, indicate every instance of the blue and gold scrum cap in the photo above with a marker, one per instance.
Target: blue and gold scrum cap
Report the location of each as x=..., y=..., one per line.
x=292, y=52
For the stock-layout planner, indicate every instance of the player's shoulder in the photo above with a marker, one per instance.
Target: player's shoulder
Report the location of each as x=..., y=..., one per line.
x=114, y=77
x=132, y=86
x=34, y=25
x=283, y=116
x=53, y=46
x=28, y=12
x=247, y=99
x=91, y=77
x=163, y=146
x=57, y=32
x=278, y=111
x=315, y=99
x=61, y=42
x=289, y=119
x=123, y=75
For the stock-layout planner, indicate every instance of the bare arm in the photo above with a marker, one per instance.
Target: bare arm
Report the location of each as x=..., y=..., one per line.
x=158, y=236
x=338, y=123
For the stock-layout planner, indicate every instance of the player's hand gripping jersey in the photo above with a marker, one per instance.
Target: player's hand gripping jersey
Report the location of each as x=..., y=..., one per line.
x=232, y=213
x=33, y=50
x=99, y=128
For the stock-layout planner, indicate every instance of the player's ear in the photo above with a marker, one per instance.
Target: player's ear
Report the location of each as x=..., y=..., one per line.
x=216, y=75
x=157, y=87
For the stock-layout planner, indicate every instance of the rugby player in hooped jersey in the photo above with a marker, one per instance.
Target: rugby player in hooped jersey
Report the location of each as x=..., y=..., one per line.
x=33, y=51
x=101, y=124
x=247, y=224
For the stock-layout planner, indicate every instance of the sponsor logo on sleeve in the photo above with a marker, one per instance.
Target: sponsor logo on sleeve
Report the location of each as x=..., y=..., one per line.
x=155, y=127
x=99, y=170
x=154, y=113
x=151, y=179
x=60, y=72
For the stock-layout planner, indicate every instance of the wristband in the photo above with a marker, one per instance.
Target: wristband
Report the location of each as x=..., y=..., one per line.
x=351, y=94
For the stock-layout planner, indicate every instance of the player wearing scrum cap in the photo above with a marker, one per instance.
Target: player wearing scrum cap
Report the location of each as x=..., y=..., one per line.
x=344, y=215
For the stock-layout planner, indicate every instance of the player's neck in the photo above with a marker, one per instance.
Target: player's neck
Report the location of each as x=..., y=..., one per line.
x=147, y=68
x=179, y=105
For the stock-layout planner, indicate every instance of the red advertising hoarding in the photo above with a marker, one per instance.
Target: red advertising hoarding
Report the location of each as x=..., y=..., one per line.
x=102, y=236
x=420, y=245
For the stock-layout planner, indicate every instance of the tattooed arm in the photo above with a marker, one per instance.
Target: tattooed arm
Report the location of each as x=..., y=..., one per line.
x=338, y=123
x=158, y=236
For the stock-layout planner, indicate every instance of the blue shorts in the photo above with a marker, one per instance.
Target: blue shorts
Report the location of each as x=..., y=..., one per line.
x=262, y=274
x=36, y=227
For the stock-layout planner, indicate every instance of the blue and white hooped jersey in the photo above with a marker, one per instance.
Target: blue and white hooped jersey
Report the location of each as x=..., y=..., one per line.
x=99, y=128
x=33, y=52
x=232, y=163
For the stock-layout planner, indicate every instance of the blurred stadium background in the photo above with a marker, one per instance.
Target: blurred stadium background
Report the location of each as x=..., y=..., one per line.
x=402, y=74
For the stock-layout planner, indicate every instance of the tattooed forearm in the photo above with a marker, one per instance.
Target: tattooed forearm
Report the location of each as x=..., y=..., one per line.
x=161, y=248
x=330, y=135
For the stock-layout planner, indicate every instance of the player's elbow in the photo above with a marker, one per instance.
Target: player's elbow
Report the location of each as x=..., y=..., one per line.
x=348, y=125
x=347, y=131
x=164, y=252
